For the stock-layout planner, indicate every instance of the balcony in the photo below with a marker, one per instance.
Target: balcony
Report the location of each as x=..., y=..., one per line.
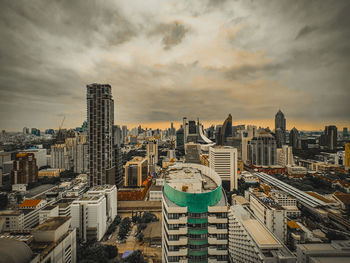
x=180, y=220
x=214, y=219
x=215, y=230
x=215, y=241
x=180, y=242
x=180, y=252
x=215, y=251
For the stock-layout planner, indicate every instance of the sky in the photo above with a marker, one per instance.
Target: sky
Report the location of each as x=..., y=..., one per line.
x=170, y=59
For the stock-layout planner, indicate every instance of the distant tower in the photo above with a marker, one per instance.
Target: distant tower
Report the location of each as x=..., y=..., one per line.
x=331, y=135
x=226, y=130
x=280, y=129
x=294, y=139
x=100, y=117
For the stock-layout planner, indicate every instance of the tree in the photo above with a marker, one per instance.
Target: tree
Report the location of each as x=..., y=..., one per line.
x=140, y=237
x=112, y=251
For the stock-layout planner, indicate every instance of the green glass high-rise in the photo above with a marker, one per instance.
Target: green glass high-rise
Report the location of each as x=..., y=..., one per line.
x=194, y=215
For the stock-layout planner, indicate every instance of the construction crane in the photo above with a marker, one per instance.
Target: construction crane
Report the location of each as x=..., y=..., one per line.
x=60, y=127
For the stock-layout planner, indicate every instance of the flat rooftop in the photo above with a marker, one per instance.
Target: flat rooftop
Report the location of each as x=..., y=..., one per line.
x=100, y=187
x=261, y=236
x=52, y=223
x=190, y=180
x=49, y=207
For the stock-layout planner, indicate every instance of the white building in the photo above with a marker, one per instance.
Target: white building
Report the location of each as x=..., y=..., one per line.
x=271, y=214
x=251, y=242
x=110, y=193
x=31, y=208
x=89, y=217
x=13, y=220
x=77, y=151
x=54, y=241
x=40, y=156
x=223, y=160
x=285, y=155
x=48, y=212
x=58, y=153
x=155, y=193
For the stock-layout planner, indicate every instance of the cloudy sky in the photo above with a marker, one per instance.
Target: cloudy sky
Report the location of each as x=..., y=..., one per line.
x=169, y=59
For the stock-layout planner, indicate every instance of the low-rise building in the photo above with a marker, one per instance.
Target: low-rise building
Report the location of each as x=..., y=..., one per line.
x=48, y=212
x=89, y=217
x=251, y=242
x=31, y=208
x=155, y=193
x=52, y=172
x=13, y=220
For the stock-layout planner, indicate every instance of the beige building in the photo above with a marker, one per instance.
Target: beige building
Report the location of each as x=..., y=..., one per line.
x=13, y=220
x=49, y=172
x=136, y=172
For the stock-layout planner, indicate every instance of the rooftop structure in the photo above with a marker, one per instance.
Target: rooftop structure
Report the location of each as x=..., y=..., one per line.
x=304, y=198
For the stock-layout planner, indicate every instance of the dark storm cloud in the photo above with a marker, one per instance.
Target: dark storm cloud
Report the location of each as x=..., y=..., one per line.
x=305, y=31
x=172, y=33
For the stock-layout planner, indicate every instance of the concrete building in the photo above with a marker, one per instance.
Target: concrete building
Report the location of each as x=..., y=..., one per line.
x=223, y=160
x=100, y=119
x=40, y=156
x=59, y=156
x=271, y=214
x=51, y=172
x=13, y=220
x=155, y=193
x=280, y=129
x=226, y=131
x=48, y=212
x=347, y=156
x=25, y=170
x=77, y=151
x=192, y=153
x=285, y=156
x=262, y=149
x=118, y=157
x=251, y=242
x=110, y=193
x=330, y=137
x=54, y=241
x=194, y=215
x=89, y=217
x=136, y=172
x=337, y=251
x=294, y=139
x=152, y=151
x=30, y=208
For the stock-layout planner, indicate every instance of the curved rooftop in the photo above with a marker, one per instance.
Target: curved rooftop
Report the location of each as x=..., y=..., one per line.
x=192, y=185
x=14, y=251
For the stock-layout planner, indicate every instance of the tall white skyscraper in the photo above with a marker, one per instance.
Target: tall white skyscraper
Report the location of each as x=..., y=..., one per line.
x=100, y=118
x=223, y=160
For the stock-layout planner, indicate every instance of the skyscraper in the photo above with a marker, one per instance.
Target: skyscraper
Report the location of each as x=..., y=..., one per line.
x=100, y=116
x=331, y=135
x=280, y=129
x=262, y=149
x=226, y=130
x=294, y=139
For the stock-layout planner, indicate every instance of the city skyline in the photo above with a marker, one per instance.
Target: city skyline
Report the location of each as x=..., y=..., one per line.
x=247, y=58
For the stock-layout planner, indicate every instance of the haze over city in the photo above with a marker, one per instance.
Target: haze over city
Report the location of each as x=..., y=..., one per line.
x=169, y=59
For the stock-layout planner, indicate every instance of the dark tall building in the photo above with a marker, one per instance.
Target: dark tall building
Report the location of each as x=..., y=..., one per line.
x=100, y=118
x=280, y=129
x=118, y=157
x=330, y=137
x=226, y=130
x=294, y=139
x=25, y=170
x=180, y=139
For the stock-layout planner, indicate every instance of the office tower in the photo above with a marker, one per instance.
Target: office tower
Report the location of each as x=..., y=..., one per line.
x=192, y=153
x=347, y=155
x=262, y=149
x=294, y=139
x=285, y=156
x=76, y=153
x=152, y=151
x=280, y=129
x=25, y=170
x=194, y=132
x=345, y=132
x=25, y=130
x=223, y=160
x=331, y=136
x=110, y=193
x=217, y=133
x=136, y=172
x=172, y=129
x=59, y=155
x=194, y=215
x=226, y=131
x=89, y=217
x=251, y=242
x=180, y=139
x=118, y=158
x=125, y=133
x=100, y=116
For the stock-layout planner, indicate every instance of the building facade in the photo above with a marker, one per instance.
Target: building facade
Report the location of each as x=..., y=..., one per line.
x=262, y=150
x=100, y=116
x=280, y=128
x=136, y=172
x=194, y=215
x=223, y=160
x=25, y=170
